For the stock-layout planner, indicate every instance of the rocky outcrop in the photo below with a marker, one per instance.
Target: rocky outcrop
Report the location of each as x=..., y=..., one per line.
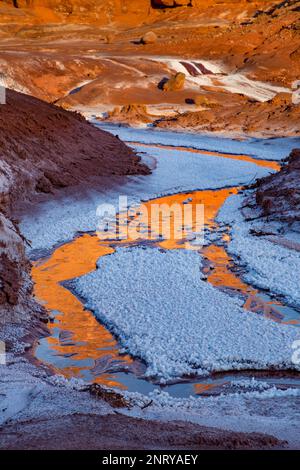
x=43, y=149
x=171, y=3
x=94, y=432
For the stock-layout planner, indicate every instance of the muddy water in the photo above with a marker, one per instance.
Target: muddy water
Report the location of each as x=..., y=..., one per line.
x=79, y=346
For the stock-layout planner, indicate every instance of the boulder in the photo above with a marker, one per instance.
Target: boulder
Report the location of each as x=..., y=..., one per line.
x=149, y=38
x=175, y=83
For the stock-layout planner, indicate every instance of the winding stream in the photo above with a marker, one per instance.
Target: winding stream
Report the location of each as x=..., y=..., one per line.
x=79, y=346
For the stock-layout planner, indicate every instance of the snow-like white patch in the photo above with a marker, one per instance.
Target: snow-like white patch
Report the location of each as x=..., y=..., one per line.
x=78, y=87
x=162, y=312
x=269, y=265
x=232, y=82
x=6, y=177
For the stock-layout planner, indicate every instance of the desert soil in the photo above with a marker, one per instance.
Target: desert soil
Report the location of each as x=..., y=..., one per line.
x=90, y=432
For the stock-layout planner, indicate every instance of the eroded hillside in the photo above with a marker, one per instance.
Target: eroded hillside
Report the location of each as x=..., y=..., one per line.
x=91, y=56
x=44, y=149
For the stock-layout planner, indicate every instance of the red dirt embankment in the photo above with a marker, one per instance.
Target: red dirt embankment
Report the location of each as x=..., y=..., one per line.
x=44, y=148
x=277, y=197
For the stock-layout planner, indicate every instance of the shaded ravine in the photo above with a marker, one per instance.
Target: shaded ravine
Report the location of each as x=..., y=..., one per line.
x=79, y=346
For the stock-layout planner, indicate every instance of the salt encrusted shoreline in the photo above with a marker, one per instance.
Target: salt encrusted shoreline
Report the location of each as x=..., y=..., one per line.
x=44, y=149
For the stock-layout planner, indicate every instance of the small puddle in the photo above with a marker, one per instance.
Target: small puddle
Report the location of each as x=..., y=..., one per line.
x=79, y=346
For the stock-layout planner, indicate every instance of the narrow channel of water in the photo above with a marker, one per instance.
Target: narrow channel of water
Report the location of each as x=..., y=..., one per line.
x=79, y=346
